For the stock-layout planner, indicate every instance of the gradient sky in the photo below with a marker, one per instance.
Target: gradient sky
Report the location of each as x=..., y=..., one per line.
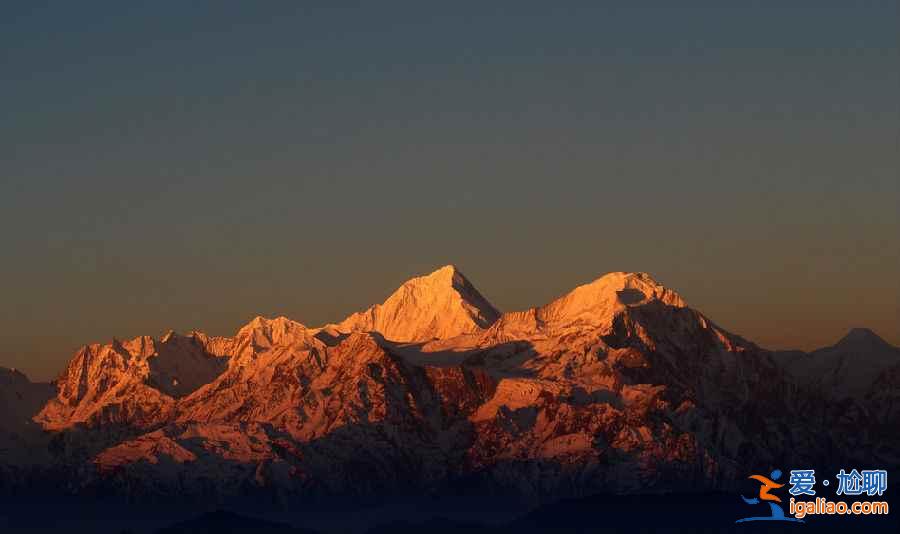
x=176, y=165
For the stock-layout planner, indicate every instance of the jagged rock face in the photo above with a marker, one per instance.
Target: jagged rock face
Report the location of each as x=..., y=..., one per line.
x=441, y=305
x=344, y=419
x=132, y=383
x=638, y=389
x=616, y=386
x=270, y=363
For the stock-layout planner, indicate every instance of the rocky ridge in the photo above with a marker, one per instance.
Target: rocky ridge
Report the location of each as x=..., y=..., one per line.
x=616, y=386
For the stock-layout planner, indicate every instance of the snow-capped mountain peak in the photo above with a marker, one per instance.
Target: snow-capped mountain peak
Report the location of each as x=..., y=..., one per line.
x=594, y=304
x=611, y=292
x=616, y=369
x=278, y=331
x=442, y=304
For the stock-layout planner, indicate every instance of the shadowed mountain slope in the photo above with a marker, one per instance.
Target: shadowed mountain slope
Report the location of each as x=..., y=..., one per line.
x=617, y=386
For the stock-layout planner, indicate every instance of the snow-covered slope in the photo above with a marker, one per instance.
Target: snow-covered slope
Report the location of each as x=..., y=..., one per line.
x=617, y=385
x=618, y=368
x=589, y=306
x=133, y=382
x=440, y=305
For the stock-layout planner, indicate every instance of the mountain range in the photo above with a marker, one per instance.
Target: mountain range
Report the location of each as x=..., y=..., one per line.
x=618, y=386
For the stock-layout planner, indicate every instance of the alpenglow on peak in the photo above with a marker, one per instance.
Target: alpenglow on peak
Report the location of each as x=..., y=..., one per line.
x=442, y=304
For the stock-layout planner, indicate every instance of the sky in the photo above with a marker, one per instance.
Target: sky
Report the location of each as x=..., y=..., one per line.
x=192, y=165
